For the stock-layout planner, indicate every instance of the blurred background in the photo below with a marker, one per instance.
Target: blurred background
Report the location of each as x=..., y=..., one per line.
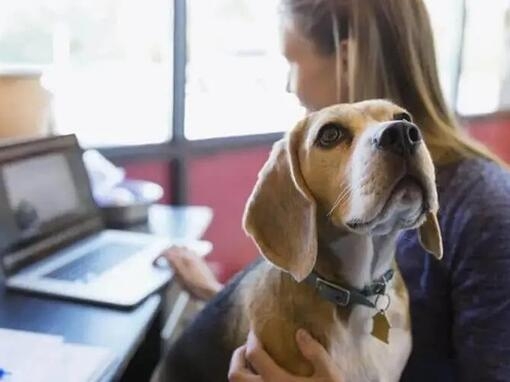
x=191, y=94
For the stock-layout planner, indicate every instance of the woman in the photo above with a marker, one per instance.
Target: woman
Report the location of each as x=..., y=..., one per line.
x=351, y=50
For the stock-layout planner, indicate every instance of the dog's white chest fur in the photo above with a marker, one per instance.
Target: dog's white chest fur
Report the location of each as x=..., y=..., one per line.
x=362, y=357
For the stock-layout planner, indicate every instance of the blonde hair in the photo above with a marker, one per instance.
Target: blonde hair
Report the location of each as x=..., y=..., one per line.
x=391, y=55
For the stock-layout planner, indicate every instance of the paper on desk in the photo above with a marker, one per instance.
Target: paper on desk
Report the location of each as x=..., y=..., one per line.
x=28, y=356
x=34, y=357
x=83, y=363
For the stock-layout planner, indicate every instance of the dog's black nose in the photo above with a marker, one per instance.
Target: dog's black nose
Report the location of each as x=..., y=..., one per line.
x=400, y=138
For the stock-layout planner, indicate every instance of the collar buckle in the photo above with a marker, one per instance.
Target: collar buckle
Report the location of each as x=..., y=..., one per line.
x=379, y=288
x=333, y=292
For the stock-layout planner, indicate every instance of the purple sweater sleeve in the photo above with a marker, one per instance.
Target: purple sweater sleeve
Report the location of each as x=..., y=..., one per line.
x=460, y=306
x=480, y=278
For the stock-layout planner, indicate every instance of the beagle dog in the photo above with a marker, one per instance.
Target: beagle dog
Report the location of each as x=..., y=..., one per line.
x=325, y=213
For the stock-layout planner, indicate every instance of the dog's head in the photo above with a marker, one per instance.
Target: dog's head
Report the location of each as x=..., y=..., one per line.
x=364, y=166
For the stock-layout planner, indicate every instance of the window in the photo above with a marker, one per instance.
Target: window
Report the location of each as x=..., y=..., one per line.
x=485, y=63
x=446, y=20
x=107, y=63
x=478, y=82
x=236, y=75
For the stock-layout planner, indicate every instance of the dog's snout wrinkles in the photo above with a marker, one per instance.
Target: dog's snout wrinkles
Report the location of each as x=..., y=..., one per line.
x=400, y=138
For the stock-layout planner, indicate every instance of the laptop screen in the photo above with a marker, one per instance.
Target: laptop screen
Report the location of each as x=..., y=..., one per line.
x=42, y=194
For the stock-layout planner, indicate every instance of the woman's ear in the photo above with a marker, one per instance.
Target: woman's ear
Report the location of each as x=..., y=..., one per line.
x=430, y=236
x=280, y=213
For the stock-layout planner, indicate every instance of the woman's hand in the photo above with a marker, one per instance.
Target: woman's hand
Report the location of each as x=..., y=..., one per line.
x=268, y=371
x=193, y=273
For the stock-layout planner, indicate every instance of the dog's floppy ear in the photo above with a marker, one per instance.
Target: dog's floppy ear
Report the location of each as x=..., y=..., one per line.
x=280, y=213
x=430, y=236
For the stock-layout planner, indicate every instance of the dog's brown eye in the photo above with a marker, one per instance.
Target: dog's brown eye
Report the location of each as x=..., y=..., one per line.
x=329, y=135
x=403, y=117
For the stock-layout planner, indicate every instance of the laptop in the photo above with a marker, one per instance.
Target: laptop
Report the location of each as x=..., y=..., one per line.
x=53, y=240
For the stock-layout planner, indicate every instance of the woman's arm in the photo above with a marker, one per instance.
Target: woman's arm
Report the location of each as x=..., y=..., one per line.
x=266, y=370
x=193, y=273
x=480, y=293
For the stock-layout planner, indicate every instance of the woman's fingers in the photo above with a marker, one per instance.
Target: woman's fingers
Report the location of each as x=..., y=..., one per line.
x=177, y=263
x=314, y=352
x=262, y=362
x=174, y=256
x=268, y=370
x=238, y=372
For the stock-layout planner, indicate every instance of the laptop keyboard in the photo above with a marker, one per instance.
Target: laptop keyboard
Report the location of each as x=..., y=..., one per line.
x=93, y=263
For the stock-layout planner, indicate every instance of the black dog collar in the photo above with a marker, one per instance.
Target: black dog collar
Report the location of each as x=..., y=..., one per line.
x=344, y=296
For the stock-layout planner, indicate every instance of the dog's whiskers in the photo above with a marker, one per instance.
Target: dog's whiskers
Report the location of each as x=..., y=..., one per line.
x=346, y=194
x=335, y=203
x=342, y=196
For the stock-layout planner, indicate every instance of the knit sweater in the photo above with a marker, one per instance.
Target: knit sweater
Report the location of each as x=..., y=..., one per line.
x=460, y=306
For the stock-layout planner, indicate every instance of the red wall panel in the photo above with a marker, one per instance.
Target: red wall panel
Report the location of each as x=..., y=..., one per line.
x=224, y=182
x=157, y=172
x=495, y=133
